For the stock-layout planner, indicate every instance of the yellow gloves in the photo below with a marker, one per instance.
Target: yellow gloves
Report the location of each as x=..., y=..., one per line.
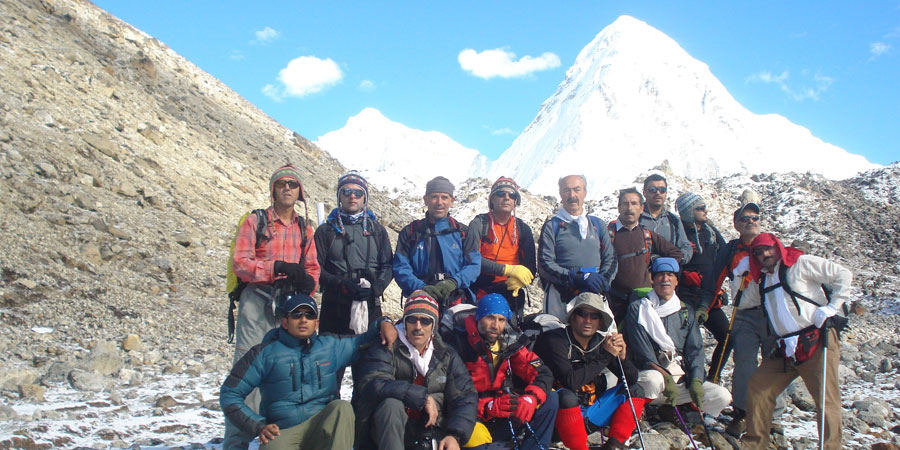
x=517, y=277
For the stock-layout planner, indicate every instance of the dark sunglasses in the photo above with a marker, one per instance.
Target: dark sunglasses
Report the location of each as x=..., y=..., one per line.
x=425, y=321
x=297, y=315
x=654, y=189
x=289, y=183
x=759, y=251
x=700, y=208
x=501, y=194
x=358, y=193
x=745, y=219
x=587, y=314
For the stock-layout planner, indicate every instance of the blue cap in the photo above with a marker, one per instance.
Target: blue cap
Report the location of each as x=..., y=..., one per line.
x=664, y=265
x=295, y=300
x=493, y=304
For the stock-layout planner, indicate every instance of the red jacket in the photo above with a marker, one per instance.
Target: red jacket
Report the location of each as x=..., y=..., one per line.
x=520, y=369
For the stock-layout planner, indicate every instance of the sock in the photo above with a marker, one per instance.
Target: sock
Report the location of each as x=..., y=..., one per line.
x=570, y=426
x=622, y=424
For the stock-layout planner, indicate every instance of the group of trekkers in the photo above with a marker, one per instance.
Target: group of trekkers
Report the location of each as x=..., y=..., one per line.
x=464, y=367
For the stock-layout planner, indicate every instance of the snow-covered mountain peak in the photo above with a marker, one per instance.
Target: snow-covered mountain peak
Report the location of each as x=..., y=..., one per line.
x=393, y=155
x=634, y=98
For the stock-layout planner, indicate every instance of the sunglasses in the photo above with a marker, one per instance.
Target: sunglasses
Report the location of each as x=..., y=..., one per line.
x=280, y=184
x=348, y=192
x=745, y=219
x=759, y=251
x=511, y=195
x=654, y=189
x=587, y=314
x=700, y=208
x=425, y=321
x=297, y=315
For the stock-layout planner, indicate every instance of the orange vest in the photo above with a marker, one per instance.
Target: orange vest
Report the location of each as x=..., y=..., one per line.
x=504, y=250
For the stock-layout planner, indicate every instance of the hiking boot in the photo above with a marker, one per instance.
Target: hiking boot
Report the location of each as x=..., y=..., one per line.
x=613, y=444
x=738, y=424
x=777, y=428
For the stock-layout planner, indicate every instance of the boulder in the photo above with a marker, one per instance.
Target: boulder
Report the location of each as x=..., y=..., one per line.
x=132, y=342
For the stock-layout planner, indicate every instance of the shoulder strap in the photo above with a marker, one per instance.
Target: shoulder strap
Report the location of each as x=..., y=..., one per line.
x=648, y=242
x=485, y=224
x=262, y=222
x=673, y=225
x=611, y=227
x=556, y=223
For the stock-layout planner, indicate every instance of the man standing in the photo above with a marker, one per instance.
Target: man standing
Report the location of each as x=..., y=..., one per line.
x=431, y=254
x=294, y=368
x=513, y=384
x=800, y=293
x=575, y=253
x=281, y=261
x=663, y=335
x=354, y=252
x=635, y=246
x=416, y=390
x=657, y=218
x=506, y=247
x=585, y=359
x=750, y=333
x=706, y=242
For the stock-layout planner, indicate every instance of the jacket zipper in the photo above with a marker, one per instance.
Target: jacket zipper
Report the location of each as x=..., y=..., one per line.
x=319, y=373
x=293, y=380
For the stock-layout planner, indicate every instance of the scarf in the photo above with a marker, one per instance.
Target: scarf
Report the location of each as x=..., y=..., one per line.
x=420, y=362
x=493, y=236
x=582, y=221
x=789, y=255
x=338, y=218
x=650, y=316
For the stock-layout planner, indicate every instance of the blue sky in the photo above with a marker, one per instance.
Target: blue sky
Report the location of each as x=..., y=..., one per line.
x=830, y=66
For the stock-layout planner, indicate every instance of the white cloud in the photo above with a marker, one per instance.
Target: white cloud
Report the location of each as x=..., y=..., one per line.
x=879, y=48
x=501, y=63
x=303, y=76
x=236, y=55
x=810, y=88
x=502, y=131
x=267, y=34
x=367, y=85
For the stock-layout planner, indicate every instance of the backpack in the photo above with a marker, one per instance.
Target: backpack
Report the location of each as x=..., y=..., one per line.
x=648, y=242
x=419, y=229
x=233, y=285
x=839, y=321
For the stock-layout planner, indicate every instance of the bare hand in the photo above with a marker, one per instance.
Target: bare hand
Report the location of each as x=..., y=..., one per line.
x=388, y=334
x=610, y=345
x=448, y=443
x=268, y=433
x=431, y=410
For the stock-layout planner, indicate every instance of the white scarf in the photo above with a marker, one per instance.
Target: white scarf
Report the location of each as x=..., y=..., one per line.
x=650, y=316
x=420, y=362
x=582, y=221
x=782, y=321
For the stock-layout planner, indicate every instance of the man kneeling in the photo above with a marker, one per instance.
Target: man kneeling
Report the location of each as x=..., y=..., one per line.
x=583, y=358
x=416, y=390
x=664, y=335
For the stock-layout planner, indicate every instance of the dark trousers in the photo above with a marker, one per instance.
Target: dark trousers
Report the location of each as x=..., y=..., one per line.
x=542, y=423
x=717, y=324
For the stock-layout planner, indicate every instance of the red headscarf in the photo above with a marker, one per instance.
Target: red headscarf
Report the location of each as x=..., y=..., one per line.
x=789, y=255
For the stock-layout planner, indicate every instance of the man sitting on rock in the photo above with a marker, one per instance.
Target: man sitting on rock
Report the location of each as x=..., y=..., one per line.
x=664, y=335
x=294, y=369
x=583, y=358
x=416, y=390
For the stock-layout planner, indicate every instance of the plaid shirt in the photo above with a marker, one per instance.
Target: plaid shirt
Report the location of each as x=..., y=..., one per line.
x=256, y=264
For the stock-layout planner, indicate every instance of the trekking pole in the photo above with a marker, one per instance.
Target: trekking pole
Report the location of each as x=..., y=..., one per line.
x=725, y=349
x=512, y=432
x=686, y=429
x=824, y=372
x=706, y=429
x=637, y=424
x=534, y=435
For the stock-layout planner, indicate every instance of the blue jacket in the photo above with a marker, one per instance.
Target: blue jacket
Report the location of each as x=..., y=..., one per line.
x=411, y=268
x=295, y=377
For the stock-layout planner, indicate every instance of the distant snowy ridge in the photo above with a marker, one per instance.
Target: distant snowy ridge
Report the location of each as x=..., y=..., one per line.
x=393, y=155
x=635, y=98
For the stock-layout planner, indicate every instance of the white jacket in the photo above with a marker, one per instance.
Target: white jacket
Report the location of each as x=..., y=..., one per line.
x=806, y=278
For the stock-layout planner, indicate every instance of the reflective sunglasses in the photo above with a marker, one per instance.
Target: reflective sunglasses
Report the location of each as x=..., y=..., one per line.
x=745, y=219
x=654, y=189
x=280, y=184
x=425, y=321
x=501, y=194
x=700, y=208
x=297, y=315
x=584, y=314
x=358, y=193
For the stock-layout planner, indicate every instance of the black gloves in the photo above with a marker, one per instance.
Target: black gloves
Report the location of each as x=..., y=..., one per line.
x=297, y=275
